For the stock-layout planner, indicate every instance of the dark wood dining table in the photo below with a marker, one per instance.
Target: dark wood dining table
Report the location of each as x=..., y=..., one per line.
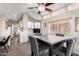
x=50, y=40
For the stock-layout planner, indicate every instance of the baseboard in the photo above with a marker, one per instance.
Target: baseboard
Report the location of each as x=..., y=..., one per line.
x=24, y=42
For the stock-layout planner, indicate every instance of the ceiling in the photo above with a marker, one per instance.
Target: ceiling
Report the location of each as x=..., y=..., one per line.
x=13, y=10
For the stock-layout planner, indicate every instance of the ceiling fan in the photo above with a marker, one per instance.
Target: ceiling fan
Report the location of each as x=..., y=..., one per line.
x=42, y=7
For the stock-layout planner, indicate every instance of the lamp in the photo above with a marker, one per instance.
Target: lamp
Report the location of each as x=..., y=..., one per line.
x=41, y=7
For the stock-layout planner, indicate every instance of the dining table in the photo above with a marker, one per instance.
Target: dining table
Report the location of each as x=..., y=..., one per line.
x=50, y=40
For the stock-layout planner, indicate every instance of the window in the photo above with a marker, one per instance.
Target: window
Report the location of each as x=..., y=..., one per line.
x=33, y=24
x=36, y=24
x=30, y=25
x=60, y=27
x=39, y=24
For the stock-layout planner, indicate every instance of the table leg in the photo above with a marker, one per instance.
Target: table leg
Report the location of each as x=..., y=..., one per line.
x=50, y=50
x=32, y=54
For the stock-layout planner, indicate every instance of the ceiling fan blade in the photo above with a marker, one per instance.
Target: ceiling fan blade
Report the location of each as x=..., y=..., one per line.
x=32, y=7
x=47, y=4
x=40, y=3
x=47, y=9
x=39, y=12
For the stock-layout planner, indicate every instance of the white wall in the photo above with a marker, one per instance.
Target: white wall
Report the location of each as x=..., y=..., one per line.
x=3, y=31
x=30, y=30
x=2, y=27
x=24, y=33
x=44, y=29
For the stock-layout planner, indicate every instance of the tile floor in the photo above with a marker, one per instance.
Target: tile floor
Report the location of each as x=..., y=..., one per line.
x=20, y=50
x=17, y=49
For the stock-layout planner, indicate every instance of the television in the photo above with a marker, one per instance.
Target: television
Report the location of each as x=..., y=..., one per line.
x=36, y=30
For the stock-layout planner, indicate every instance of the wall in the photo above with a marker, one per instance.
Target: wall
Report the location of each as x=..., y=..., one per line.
x=44, y=27
x=3, y=31
x=2, y=27
x=72, y=14
x=30, y=30
x=24, y=33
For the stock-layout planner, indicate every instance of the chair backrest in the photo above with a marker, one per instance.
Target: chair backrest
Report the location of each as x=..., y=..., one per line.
x=3, y=43
x=7, y=39
x=34, y=46
x=70, y=46
x=62, y=35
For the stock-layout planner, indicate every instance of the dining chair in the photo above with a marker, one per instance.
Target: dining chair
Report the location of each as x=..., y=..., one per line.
x=61, y=35
x=65, y=51
x=37, y=50
x=71, y=45
x=4, y=43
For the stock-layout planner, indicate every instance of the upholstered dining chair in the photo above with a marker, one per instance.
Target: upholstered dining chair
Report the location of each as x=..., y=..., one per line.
x=4, y=43
x=65, y=51
x=37, y=50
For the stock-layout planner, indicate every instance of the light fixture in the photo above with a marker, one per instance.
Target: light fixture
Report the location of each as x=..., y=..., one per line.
x=41, y=7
